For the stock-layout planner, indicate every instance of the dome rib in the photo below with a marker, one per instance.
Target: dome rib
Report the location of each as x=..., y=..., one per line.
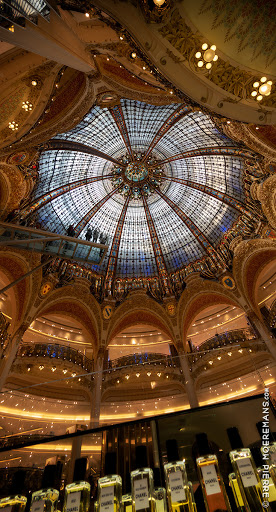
x=70, y=145
x=119, y=119
x=84, y=221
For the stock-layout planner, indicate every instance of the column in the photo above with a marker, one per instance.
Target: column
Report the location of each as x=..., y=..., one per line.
x=189, y=382
x=10, y=354
x=262, y=331
x=97, y=390
x=75, y=454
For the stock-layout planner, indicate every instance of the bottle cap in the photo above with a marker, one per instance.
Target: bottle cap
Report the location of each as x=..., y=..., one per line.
x=18, y=481
x=141, y=456
x=110, y=463
x=80, y=469
x=157, y=477
x=234, y=438
x=49, y=476
x=172, y=450
x=202, y=444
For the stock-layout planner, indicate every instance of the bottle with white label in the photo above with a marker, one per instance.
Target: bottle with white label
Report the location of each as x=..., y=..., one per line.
x=142, y=487
x=15, y=502
x=248, y=480
x=178, y=490
x=213, y=489
x=109, y=496
x=77, y=494
x=159, y=492
x=46, y=499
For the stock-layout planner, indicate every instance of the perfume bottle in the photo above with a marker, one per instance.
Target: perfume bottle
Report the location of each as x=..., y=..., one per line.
x=159, y=492
x=127, y=498
x=77, y=494
x=109, y=496
x=192, y=496
x=142, y=488
x=46, y=499
x=214, y=493
x=15, y=502
x=267, y=484
x=236, y=492
x=248, y=479
x=178, y=491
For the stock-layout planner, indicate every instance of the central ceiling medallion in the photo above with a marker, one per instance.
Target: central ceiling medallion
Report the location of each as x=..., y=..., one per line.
x=137, y=175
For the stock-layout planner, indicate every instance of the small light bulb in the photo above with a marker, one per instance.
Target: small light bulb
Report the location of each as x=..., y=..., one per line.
x=259, y=98
x=213, y=47
x=263, y=79
x=200, y=63
x=256, y=84
x=198, y=54
x=208, y=65
x=204, y=46
x=134, y=55
x=87, y=14
x=264, y=89
x=34, y=83
x=215, y=58
x=254, y=93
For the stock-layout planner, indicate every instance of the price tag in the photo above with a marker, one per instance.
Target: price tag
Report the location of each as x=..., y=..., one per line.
x=247, y=472
x=210, y=479
x=73, y=502
x=38, y=506
x=107, y=499
x=177, y=486
x=141, y=494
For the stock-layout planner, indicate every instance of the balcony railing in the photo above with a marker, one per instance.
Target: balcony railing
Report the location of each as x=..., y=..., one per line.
x=55, y=351
x=145, y=358
x=226, y=338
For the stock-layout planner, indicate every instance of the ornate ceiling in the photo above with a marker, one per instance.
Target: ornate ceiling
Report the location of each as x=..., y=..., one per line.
x=161, y=183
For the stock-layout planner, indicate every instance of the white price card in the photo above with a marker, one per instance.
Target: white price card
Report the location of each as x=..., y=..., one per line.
x=38, y=506
x=247, y=472
x=107, y=499
x=177, y=487
x=210, y=479
x=73, y=502
x=141, y=494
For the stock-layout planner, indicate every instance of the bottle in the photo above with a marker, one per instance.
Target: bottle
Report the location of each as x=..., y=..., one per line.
x=127, y=498
x=109, y=495
x=160, y=494
x=77, y=494
x=15, y=502
x=235, y=442
x=46, y=499
x=192, y=496
x=214, y=493
x=142, y=489
x=178, y=491
x=248, y=479
x=236, y=492
x=267, y=482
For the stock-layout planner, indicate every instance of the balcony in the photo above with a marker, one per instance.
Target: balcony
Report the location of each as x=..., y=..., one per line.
x=55, y=351
x=142, y=359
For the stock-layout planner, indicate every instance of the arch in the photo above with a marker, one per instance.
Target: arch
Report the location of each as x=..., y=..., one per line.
x=267, y=197
x=73, y=302
x=198, y=295
x=13, y=264
x=250, y=258
x=136, y=310
x=12, y=188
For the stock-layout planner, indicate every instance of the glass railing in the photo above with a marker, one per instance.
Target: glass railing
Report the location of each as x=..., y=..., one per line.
x=226, y=338
x=142, y=358
x=51, y=244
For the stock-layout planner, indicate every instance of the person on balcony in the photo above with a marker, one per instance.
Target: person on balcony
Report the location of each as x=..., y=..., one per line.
x=88, y=234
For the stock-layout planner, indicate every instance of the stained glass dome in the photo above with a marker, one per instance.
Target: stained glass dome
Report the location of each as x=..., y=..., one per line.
x=161, y=184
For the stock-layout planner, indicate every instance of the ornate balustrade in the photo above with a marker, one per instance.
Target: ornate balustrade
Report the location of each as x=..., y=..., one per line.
x=226, y=338
x=142, y=359
x=55, y=351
